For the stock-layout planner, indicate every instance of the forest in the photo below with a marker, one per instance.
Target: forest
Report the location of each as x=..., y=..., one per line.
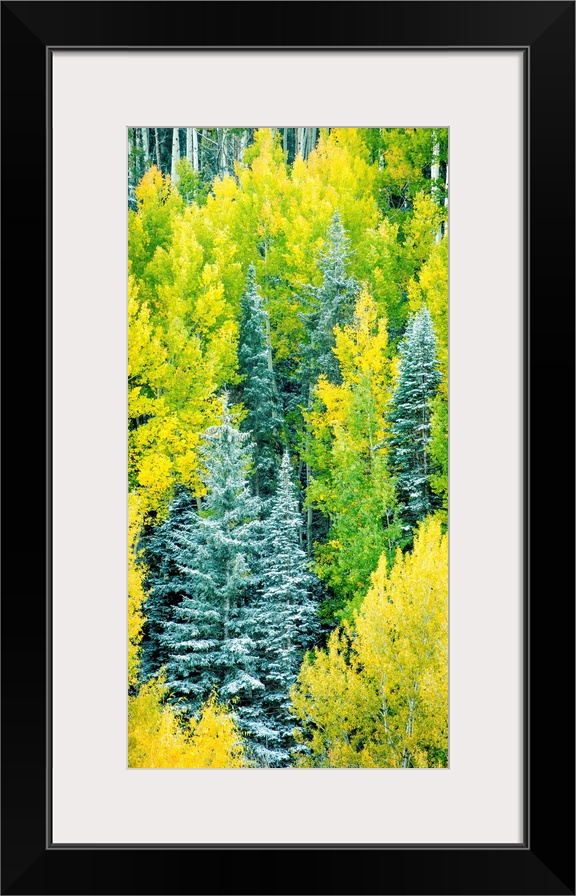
x=287, y=447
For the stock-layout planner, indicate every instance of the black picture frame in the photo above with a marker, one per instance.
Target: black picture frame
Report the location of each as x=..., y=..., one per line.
x=544, y=862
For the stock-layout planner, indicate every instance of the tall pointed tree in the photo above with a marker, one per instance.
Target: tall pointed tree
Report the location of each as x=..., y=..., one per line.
x=164, y=582
x=208, y=637
x=258, y=389
x=330, y=304
x=409, y=418
x=286, y=615
x=175, y=154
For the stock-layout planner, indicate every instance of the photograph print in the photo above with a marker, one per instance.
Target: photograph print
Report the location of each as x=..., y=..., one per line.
x=287, y=447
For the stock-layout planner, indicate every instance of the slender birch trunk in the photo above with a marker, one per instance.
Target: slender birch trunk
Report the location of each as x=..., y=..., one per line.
x=299, y=141
x=189, y=145
x=309, y=141
x=175, y=153
x=195, y=161
x=221, y=149
x=146, y=146
x=435, y=174
x=157, y=146
x=131, y=165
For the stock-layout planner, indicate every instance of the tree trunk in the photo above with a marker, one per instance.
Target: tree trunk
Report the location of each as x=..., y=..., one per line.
x=157, y=145
x=309, y=141
x=189, y=144
x=221, y=150
x=435, y=174
x=131, y=165
x=175, y=153
x=139, y=149
x=146, y=146
x=195, y=164
x=285, y=141
x=244, y=143
x=299, y=141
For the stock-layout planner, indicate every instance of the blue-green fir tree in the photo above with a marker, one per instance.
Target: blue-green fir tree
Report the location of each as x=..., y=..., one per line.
x=164, y=583
x=409, y=416
x=329, y=304
x=285, y=616
x=258, y=389
x=209, y=639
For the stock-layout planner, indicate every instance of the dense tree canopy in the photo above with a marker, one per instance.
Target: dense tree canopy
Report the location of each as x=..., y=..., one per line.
x=287, y=446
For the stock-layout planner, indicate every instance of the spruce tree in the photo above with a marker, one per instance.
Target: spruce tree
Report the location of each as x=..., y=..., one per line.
x=208, y=637
x=286, y=615
x=258, y=389
x=330, y=304
x=164, y=582
x=409, y=416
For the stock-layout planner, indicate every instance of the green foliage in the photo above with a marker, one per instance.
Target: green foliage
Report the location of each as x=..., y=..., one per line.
x=409, y=417
x=190, y=184
x=258, y=387
x=301, y=287
x=377, y=696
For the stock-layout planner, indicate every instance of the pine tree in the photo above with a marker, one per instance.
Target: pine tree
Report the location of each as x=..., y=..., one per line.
x=208, y=638
x=164, y=582
x=409, y=417
x=331, y=304
x=286, y=616
x=258, y=389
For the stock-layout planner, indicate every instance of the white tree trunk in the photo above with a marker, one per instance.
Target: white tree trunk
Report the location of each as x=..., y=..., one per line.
x=435, y=174
x=175, y=153
x=243, y=144
x=222, y=151
x=131, y=177
x=157, y=146
x=189, y=144
x=146, y=146
x=195, y=164
x=309, y=141
x=299, y=141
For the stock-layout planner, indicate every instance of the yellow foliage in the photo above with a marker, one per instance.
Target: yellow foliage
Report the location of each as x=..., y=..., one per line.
x=378, y=695
x=157, y=738
x=431, y=289
x=174, y=371
x=153, y=187
x=355, y=409
x=135, y=588
x=350, y=483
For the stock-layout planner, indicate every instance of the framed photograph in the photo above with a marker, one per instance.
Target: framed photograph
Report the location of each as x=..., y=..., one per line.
x=341, y=144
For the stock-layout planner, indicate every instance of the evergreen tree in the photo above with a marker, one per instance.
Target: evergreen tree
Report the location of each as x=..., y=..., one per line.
x=286, y=615
x=331, y=304
x=258, y=389
x=409, y=416
x=164, y=582
x=208, y=638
